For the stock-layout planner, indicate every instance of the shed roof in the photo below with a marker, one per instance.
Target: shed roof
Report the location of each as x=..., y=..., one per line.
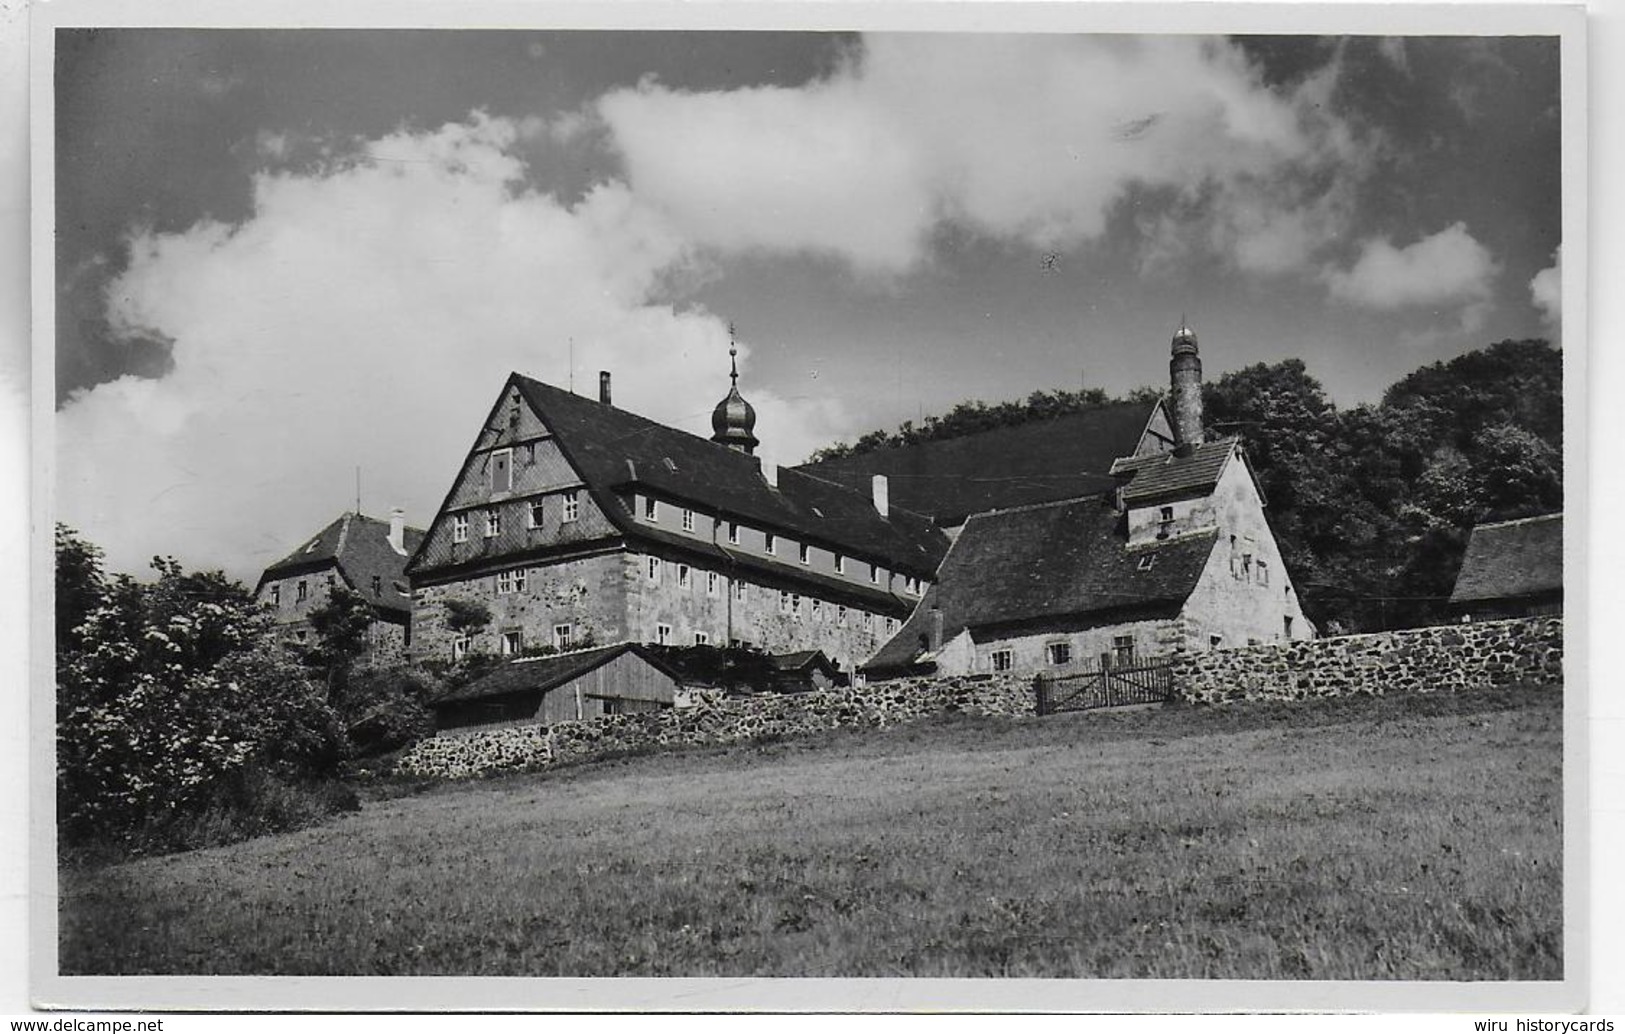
x=359, y=546
x=614, y=449
x=1037, y=462
x=1172, y=476
x=540, y=674
x=1510, y=559
x=1056, y=561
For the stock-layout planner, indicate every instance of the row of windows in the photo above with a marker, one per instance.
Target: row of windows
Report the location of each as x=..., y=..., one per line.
x=511, y=642
x=492, y=518
x=1059, y=653
x=770, y=543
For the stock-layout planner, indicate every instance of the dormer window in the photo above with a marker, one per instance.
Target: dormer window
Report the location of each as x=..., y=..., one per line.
x=688, y=519
x=1165, y=522
x=874, y=574
x=840, y=564
x=276, y=595
x=804, y=554
x=771, y=542
x=651, y=508
x=733, y=533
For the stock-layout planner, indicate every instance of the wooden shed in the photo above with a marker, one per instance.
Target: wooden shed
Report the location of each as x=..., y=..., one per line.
x=619, y=679
x=1512, y=569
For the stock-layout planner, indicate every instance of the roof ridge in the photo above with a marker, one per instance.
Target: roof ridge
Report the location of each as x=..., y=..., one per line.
x=1001, y=511
x=1521, y=520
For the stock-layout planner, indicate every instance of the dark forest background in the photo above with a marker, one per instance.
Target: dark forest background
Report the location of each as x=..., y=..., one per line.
x=1372, y=504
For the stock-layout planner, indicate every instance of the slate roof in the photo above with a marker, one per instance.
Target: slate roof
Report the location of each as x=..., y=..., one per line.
x=1058, y=561
x=359, y=546
x=1510, y=559
x=540, y=674
x=1039, y=462
x=1170, y=476
x=614, y=449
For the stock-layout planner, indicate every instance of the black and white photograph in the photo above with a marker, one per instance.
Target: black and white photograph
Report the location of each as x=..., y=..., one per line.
x=984, y=508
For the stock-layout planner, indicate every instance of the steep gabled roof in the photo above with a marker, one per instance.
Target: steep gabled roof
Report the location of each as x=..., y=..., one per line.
x=1172, y=476
x=1512, y=559
x=1066, y=561
x=359, y=547
x=1043, y=461
x=614, y=449
x=540, y=674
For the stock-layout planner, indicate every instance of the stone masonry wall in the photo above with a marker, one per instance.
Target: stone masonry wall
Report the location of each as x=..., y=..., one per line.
x=1416, y=660
x=714, y=722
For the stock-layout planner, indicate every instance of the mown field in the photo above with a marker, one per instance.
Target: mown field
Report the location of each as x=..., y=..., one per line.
x=1409, y=838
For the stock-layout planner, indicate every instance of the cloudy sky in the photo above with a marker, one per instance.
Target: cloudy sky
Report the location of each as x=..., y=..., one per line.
x=286, y=254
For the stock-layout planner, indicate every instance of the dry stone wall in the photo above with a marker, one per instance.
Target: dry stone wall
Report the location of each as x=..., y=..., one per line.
x=1417, y=660
x=714, y=722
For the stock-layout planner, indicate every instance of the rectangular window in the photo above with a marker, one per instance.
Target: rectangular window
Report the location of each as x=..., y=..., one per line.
x=377, y=585
x=713, y=583
x=784, y=601
x=493, y=523
x=654, y=569
x=1263, y=572
x=512, y=643
x=1286, y=625
x=460, y=647
x=561, y=637
x=840, y=564
x=683, y=576
x=1122, y=649
x=771, y=542
x=739, y=590
x=874, y=574
x=733, y=533
x=663, y=635
x=1059, y=653
x=868, y=622
x=1215, y=641
x=688, y=519
x=817, y=609
x=840, y=616
x=572, y=507
x=502, y=470
x=535, y=519
x=1165, y=522
x=702, y=639
x=1246, y=567
x=303, y=593
x=459, y=528
x=510, y=581
x=276, y=595
x=1002, y=660
x=651, y=508
x=891, y=626
x=804, y=554
x=795, y=603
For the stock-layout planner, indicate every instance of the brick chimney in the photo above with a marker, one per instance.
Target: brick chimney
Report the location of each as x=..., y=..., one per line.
x=397, y=530
x=603, y=387
x=881, y=493
x=1185, y=392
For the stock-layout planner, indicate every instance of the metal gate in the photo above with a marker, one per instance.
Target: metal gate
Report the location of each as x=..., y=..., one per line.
x=1139, y=682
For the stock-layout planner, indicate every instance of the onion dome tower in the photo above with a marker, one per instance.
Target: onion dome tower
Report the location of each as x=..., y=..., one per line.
x=733, y=422
x=1185, y=390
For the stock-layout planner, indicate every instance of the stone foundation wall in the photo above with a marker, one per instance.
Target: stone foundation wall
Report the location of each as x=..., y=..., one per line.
x=713, y=722
x=1415, y=660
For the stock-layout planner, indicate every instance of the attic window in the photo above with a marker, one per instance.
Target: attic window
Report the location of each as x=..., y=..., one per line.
x=1165, y=522
x=804, y=554
x=1147, y=562
x=733, y=533
x=459, y=527
x=651, y=508
x=688, y=519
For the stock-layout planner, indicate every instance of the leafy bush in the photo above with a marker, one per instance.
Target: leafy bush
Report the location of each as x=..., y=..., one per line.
x=169, y=694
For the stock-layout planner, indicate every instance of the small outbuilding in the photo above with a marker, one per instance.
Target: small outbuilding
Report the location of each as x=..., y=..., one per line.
x=620, y=679
x=1512, y=569
x=804, y=671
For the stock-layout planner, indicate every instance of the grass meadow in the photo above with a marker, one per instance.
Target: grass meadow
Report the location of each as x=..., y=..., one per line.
x=1415, y=838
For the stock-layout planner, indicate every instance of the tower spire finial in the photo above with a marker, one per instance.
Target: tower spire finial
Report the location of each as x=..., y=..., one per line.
x=734, y=419
x=733, y=352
